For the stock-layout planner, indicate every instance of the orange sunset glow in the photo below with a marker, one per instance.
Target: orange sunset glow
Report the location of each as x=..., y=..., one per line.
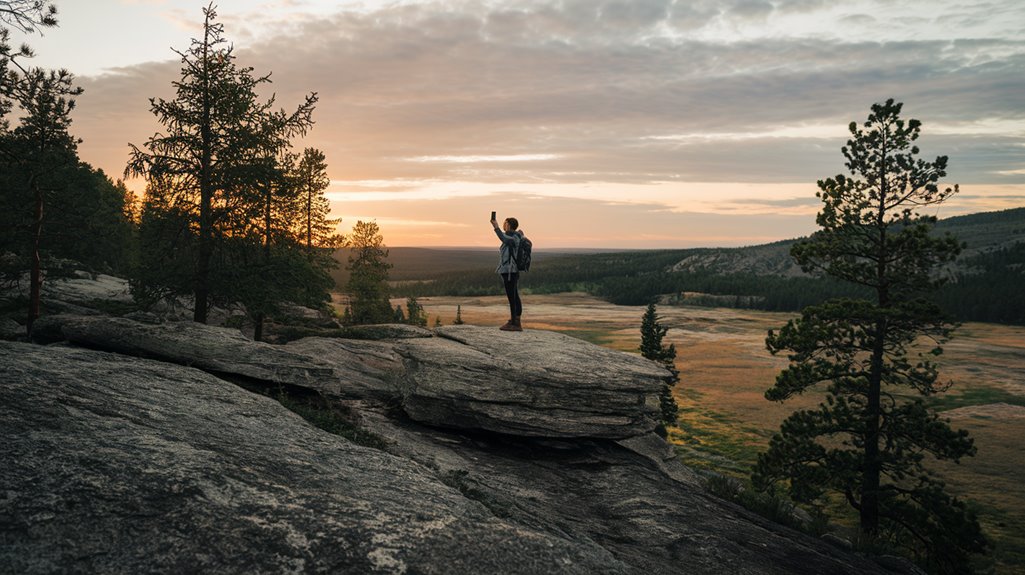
x=605, y=124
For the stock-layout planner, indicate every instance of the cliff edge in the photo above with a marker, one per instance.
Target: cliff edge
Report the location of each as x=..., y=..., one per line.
x=128, y=448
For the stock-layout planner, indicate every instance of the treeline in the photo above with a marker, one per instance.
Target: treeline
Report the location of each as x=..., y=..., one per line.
x=54, y=209
x=87, y=220
x=990, y=293
x=738, y=290
x=231, y=215
x=549, y=274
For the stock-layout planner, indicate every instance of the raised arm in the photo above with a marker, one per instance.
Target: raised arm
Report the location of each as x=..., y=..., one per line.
x=511, y=239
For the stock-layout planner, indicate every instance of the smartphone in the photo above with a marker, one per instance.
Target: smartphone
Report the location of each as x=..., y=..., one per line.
x=492, y=216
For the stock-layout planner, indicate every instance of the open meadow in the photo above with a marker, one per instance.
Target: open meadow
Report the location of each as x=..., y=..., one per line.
x=724, y=370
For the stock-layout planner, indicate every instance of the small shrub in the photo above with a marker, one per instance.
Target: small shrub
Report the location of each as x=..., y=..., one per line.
x=771, y=505
x=724, y=487
x=330, y=416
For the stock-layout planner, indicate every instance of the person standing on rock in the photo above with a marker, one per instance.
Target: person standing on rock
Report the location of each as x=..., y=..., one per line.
x=511, y=237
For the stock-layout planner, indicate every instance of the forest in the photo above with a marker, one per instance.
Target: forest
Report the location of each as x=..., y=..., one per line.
x=231, y=214
x=984, y=285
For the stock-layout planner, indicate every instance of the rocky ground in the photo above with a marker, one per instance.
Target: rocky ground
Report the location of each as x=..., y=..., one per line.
x=137, y=446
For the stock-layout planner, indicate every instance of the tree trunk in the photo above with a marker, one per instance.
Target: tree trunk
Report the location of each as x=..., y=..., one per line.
x=205, y=251
x=309, y=221
x=36, y=273
x=258, y=328
x=870, y=479
x=869, y=513
x=205, y=190
x=259, y=317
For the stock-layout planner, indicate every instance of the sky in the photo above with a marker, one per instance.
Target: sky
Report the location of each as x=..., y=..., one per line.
x=596, y=123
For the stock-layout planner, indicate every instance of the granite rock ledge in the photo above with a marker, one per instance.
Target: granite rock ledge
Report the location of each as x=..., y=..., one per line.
x=532, y=383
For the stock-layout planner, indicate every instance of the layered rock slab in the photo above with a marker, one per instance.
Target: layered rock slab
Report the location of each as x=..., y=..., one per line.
x=531, y=383
x=214, y=349
x=609, y=493
x=125, y=465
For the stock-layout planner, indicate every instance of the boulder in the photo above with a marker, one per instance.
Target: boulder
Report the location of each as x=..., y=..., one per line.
x=11, y=329
x=124, y=465
x=84, y=287
x=531, y=383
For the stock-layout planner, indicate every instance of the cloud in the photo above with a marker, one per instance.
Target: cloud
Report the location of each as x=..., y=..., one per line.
x=801, y=202
x=522, y=82
x=559, y=222
x=483, y=159
x=615, y=92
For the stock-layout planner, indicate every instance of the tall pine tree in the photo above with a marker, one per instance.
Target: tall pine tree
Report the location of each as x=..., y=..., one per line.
x=214, y=162
x=869, y=440
x=316, y=229
x=39, y=154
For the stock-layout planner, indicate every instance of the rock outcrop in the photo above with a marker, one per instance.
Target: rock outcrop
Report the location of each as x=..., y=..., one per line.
x=214, y=349
x=86, y=288
x=140, y=464
x=653, y=520
x=532, y=383
x=124, y=465
x=117, y=464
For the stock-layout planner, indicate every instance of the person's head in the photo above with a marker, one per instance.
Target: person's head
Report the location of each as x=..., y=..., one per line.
x=510, y=224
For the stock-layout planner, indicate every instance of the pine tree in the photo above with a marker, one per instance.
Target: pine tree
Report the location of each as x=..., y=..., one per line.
x=214, y=159
x=415, y=312
x=311, y=181
x=459, y=315
x=652, y=333
x=290, y=268
x=368, y=280
x=28, y=15
x=869, y=439
x=38, y=153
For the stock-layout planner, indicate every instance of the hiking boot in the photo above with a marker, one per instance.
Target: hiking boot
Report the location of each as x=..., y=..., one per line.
x=512, y=325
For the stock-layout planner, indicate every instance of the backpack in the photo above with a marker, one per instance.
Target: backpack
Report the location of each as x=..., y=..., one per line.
x=523, y=254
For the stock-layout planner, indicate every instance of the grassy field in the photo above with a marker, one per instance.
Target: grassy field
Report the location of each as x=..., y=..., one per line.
x=724, y=368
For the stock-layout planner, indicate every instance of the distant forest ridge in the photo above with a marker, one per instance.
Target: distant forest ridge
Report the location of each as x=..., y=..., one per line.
x=984, y=284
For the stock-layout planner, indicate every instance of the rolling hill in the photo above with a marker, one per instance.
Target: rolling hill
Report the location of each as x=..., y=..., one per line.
x=982, y=233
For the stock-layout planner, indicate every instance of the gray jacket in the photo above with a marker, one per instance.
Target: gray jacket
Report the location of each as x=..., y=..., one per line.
x=506, y=256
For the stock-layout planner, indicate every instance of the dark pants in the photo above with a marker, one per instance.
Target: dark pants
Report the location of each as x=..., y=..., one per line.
x=512, y=291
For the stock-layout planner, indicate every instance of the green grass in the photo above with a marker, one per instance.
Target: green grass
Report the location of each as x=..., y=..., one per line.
x=595, y=336
x=970, y=396
x=714, y=441
x=1003, y=530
